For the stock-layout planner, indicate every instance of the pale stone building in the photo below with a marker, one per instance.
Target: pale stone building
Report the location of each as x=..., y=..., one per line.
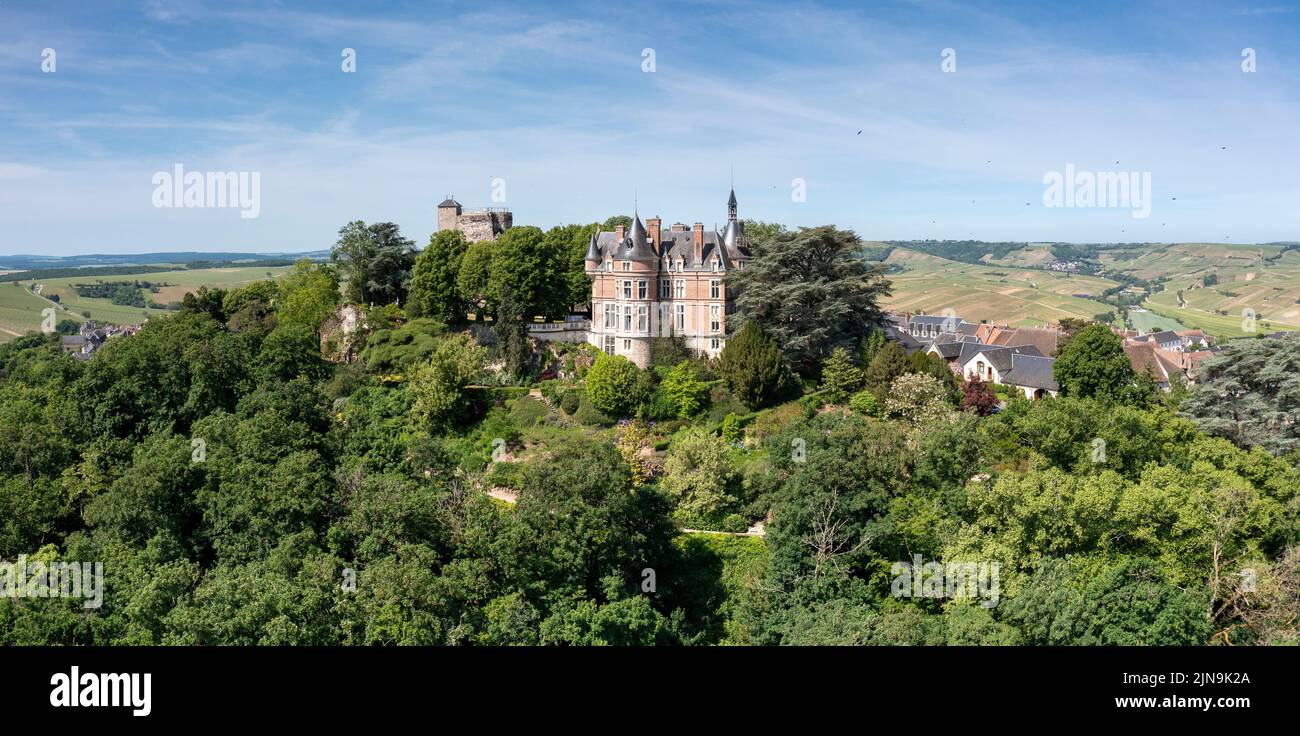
x=647, y=282
x=485, y=223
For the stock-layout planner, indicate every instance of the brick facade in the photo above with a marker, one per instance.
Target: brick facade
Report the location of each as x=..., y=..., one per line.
x=647, y=282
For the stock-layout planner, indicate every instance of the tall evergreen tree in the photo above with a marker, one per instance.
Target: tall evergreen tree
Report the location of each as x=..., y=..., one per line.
x=890, y=363
x=840, y=377
x=812, y=291
x=754, y=369
x=376, y=260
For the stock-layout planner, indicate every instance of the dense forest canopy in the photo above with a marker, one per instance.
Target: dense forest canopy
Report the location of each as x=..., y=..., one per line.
x=248, y=472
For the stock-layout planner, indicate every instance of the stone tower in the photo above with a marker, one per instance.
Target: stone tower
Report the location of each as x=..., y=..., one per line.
x=449, y=214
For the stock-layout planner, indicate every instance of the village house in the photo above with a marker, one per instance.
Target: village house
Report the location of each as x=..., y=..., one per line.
x=1022, y=367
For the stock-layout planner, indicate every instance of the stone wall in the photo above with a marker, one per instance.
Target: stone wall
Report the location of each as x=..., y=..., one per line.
x=484, y=225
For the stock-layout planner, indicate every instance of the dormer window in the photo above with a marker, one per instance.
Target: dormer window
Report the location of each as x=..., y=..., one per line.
x=715, y=264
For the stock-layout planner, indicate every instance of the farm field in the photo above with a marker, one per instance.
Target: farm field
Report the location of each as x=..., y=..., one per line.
x=1034, y=255
x=1192, y=260
x=20, y=310
x=1020, y=297
x=1269, y=290
x=1149, y=321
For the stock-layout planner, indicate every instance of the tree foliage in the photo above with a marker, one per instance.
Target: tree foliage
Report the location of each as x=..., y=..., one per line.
x=754, y=369
x=810, y=290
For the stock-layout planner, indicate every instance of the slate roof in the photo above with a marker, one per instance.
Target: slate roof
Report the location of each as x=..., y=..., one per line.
x=948, y=350
x=997, y=355
x=1032, y=371
x=910, y=344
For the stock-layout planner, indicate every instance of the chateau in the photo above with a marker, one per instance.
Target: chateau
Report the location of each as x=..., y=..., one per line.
x=478, y=224
x=648, y=282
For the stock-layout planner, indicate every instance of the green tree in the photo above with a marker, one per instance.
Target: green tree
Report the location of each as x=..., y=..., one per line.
x=1250, y=393
x=529, y=271
x=308, y=294
x=937, y=368
x=919, y=399
x=1093, y=364
x=684, y=391
x=698, y=475
x=291, y=351
x=840, y=377
x=812, y=291
x=752, y=365
x=612, y=385
x=472, y=279
x=438, y=386
x=890, y=363
x=567, y=249
x=1133, y=605
x=865, y=403
x=376, y=261
x=434, y=289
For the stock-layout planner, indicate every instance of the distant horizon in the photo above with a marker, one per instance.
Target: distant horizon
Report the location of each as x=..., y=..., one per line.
x=421, y=245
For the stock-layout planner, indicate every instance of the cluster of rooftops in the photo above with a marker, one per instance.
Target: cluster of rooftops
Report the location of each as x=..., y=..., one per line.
x=680, y=247
x=1022, y=356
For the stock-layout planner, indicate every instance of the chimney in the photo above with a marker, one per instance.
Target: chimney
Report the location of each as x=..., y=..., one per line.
x=678, y=227
x=618, y=234
x=697, y=252
x=652, y=225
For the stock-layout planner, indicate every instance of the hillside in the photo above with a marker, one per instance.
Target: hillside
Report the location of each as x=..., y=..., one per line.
x=1020, y=296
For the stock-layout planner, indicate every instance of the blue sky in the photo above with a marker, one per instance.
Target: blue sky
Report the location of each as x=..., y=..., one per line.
x=553, y=99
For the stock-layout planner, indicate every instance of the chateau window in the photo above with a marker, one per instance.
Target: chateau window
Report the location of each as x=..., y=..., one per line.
x=609, y=265
x=715, y=289
x=627, y=345
x=715, y=318
x=627, y=318
x=681, y=317
x=665, y=289
x=668, y=264
x=680, y=264
x=641, y=289
x=627, y=289
x=643, y=318
x=627, y=265
x=611, y=317
x=715, y=344
x=681, y=288
x=715, y=264
x=609, y=345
